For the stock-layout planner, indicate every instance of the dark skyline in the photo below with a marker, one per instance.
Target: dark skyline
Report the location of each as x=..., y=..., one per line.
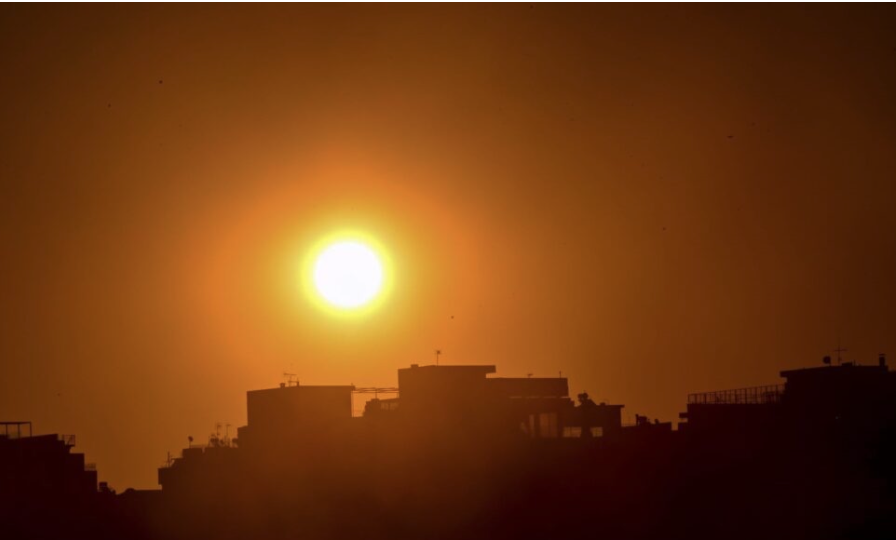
x=656, y=200
x=462, y=453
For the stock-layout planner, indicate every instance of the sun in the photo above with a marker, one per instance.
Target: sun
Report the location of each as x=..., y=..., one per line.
x=348, y=274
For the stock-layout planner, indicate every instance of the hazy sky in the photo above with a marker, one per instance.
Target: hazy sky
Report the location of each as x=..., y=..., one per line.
x=655, y=200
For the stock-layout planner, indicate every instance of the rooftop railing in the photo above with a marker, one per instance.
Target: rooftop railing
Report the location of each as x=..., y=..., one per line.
x=757, y=395
x=15, y=430
x=69, y=440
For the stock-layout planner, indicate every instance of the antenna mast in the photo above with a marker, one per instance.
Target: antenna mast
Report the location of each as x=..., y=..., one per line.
x=839, y=350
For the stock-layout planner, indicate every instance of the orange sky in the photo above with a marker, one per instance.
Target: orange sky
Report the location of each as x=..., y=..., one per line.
x=655, y=200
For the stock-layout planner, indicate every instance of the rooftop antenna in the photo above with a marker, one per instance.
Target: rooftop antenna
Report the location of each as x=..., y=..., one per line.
x=291, y=379
x=839, y=350
x=438, y=354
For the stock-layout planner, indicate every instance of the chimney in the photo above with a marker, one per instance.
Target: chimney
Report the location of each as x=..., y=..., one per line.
x=882, y=360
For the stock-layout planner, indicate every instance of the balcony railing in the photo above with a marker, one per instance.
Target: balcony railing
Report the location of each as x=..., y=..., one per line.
x=757, y=395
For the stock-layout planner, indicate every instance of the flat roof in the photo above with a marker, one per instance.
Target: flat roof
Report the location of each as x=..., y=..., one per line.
x=293, y=387
x=845, y=367
x=433, y=367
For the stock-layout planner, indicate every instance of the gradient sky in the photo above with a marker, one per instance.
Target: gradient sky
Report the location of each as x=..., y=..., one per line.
x=655, y=200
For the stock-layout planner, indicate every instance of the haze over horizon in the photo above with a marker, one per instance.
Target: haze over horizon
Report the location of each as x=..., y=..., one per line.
x=653, y=201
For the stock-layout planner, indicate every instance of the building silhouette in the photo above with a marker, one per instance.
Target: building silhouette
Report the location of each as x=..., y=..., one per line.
x=49, y=491
x=814, y=400
x=42, y=464
x=456, y=452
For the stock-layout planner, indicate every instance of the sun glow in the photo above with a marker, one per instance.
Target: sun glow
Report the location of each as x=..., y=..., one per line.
x=348, y=274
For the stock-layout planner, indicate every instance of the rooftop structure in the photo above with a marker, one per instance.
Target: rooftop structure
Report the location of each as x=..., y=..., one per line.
x=813, y=396
x=294, y=412
x=42, y=465
x=15, y=430
x=756, y=395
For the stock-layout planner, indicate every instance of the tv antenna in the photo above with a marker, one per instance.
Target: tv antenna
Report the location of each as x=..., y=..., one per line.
x=839, y=350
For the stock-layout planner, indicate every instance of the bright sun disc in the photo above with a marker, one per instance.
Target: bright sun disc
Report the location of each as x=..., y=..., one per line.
x=348, y=274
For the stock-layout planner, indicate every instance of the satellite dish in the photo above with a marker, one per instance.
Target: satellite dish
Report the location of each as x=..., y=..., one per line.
x=826, y=360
